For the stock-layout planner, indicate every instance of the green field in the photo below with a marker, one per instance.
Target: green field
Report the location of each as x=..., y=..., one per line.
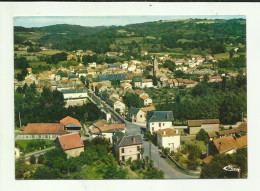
x=201, y=144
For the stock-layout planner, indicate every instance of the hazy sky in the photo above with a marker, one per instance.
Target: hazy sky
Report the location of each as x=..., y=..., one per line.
x=107, y=21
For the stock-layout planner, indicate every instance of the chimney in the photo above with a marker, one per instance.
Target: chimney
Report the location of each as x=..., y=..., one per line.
x=134, y=139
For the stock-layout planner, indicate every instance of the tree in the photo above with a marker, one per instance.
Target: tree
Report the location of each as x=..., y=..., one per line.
x=41, y=159
x=20, y=168
x=118, y=110
x=132, y=100
x=232, y=107
x=32, y=159
x=202, y=135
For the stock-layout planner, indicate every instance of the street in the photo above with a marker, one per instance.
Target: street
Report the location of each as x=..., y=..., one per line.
x=160, y=163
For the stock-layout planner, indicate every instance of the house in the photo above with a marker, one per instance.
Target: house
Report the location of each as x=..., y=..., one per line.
x=209, y=125
x=168, y=138
x=157, y=120
x=131, y=68
x=147, y=100
x=139, y=115
x=117, y=104
x=71, y=144
x=124, y=66
x=127, y=146
x=137, y=81
x=71, y=124
x=147, y=83
x=227, y=145
x=189, y=83
x=42, y=131
x=92, y=65
x=126, y=86
x=107, y=131
x=74, y=93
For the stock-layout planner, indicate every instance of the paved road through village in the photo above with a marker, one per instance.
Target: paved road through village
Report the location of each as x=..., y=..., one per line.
x=133, y=129
x=160, y=163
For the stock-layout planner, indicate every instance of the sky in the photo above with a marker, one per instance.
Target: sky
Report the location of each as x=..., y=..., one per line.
x=34, y=21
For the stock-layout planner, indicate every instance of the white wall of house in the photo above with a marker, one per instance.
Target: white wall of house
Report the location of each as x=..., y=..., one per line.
x=74, y=152
x=129, y=151
x=37, y=136
x=148, y=101
x=147, y=84
x=119, y=105
x=155, y=126
x=172, y=142
x=140, y=117
x=75, y=95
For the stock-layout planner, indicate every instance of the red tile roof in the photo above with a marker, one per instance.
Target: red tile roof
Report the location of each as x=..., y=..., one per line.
x=70, y=141
x=145, y=109
x=196, y=123
x=167, y=132
x=112, y=127
x=208, y=159
x=44, y=128
x=225, y=144
x=68, y=120
x=144, y=97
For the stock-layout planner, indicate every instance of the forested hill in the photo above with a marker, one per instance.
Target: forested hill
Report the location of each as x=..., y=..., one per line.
x=186, y=36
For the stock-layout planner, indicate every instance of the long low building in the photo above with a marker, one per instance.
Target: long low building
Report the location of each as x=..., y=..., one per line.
x=42, y=131
x=209, y=125
x=74, y=94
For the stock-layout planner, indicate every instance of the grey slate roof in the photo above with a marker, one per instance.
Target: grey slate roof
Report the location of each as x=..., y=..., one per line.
x=128, y=140
x=108, y=77
x=72, y=91
x=133, y=110
x=119, y=135
x=157, y=116
x=72, y=125
x=112, y=65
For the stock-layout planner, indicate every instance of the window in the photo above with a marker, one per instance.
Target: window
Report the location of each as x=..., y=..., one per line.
x=33, y=136
x=152, y=128
x=138, y=156
x=163, y=124
x=152, y=123
x=123, y=158
x=123, y=150
x=138, y=148
x=159, y=124
x=141, y=116
x=46, y=136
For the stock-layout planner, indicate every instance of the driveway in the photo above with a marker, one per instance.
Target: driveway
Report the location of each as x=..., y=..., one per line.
x=132, y=129
x=160, y=163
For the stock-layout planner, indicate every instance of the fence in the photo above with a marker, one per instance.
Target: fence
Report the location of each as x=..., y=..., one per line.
x=195, y=172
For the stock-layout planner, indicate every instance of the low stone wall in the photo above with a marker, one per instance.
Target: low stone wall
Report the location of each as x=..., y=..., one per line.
x=195, y=172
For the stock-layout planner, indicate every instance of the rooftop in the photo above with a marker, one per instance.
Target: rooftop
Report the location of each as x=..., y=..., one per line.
x=167, y=132
x=70, y=120
x=44, y=128
x=157, y=116
x=109, y=128
x=70, y=141
x=196, y=123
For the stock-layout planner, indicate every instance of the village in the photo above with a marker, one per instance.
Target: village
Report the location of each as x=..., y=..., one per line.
x=135, y=130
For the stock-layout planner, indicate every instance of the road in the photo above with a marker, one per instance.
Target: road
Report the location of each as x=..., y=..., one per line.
x=133, y=129
x=160, y=163
x=38, y=153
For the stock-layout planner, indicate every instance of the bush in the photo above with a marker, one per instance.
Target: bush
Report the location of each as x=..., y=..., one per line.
x=32, y=159
x=41, y=159
x=137, y=164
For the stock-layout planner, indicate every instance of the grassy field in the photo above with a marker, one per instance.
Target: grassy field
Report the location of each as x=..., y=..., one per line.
x=222, y=55
x=128, y=40
x=49, y=52
x=200, y=144
x=184, y=40
x=151, y=37
x=29, y=35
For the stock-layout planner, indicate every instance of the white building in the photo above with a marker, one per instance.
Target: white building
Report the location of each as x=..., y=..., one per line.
x=168, y=138
x=158, y=120
x=92, y=65
x=147, y=83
